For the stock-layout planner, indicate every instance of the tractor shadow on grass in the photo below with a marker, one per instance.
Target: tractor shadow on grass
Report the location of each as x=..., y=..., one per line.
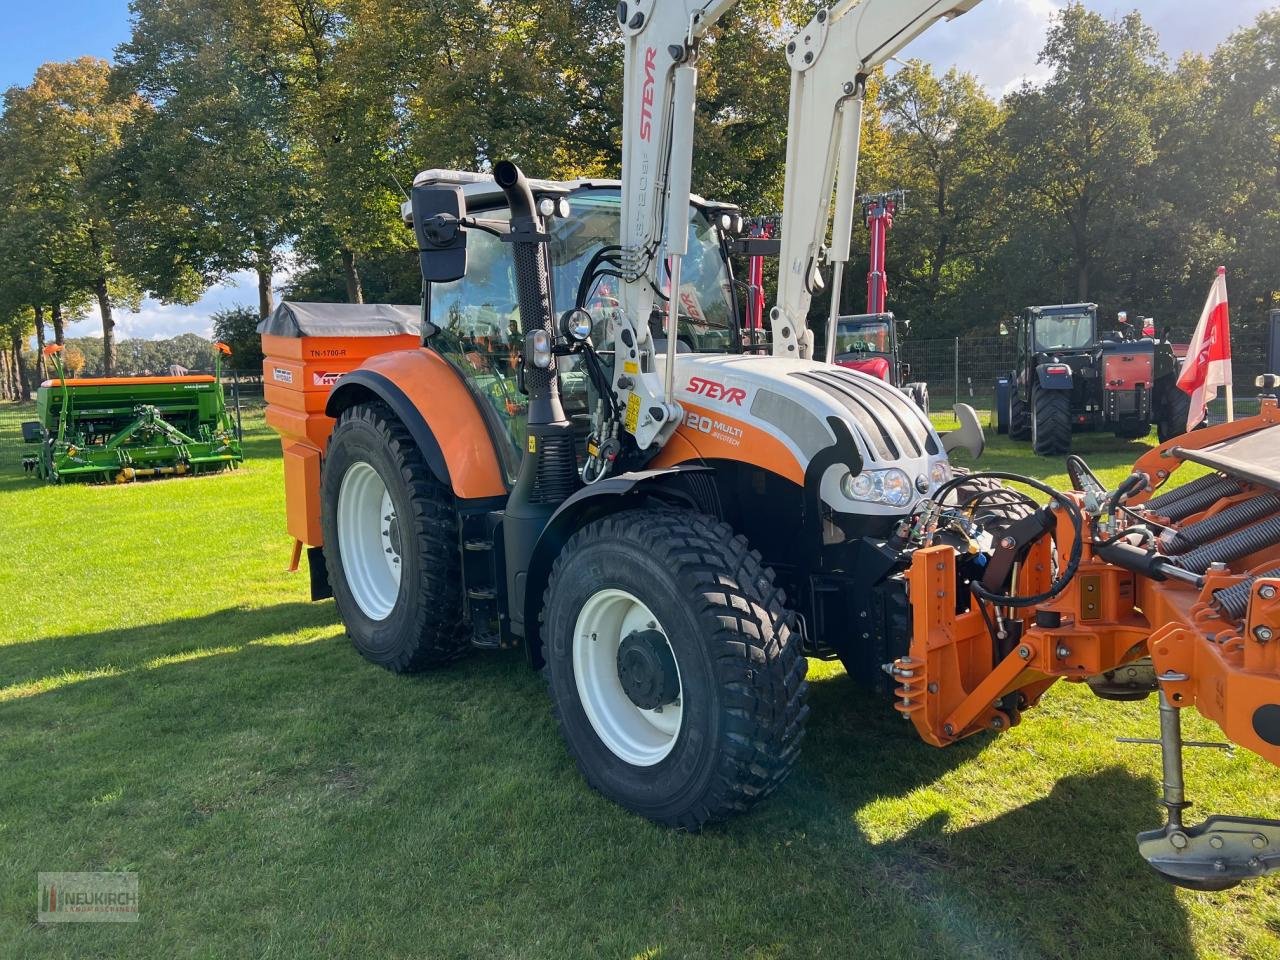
x=129, y=649
x=1026, y=883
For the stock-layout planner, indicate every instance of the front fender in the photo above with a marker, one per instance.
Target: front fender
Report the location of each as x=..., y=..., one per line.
x=1053, y=376
x=685, y=485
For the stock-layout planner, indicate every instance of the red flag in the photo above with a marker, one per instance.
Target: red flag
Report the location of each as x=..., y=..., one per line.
x=1208, y=363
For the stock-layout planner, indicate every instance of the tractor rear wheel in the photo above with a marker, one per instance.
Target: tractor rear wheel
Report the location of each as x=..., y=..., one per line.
x=390, y=544
x=1050, y=422
x=674, y=671
x=1019, y=416
x=1172, y=409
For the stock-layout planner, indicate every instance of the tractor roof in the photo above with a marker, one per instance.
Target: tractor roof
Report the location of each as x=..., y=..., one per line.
x=480, y=189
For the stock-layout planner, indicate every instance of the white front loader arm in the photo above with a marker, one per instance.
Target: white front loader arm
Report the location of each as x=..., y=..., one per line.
x=660, y=78
x=830, y=59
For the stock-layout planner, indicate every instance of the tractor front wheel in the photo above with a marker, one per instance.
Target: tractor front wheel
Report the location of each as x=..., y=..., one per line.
x=1172, y=409
x=675, y=675
x=1019, y=416
x=1050, y=422
x=390, y=544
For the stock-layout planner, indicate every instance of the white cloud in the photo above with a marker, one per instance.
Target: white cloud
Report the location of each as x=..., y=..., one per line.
x=158, y=321
x=998, y=40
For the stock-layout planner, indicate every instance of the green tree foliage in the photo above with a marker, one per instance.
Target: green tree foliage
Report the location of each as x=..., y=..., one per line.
x=232, y=134
x=204, y=184
x=237, y=327
x=59, y=135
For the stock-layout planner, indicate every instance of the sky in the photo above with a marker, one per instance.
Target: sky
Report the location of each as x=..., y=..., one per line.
x=997, y=41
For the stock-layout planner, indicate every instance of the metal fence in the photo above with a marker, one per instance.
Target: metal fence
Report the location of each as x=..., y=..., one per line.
x=964, y=369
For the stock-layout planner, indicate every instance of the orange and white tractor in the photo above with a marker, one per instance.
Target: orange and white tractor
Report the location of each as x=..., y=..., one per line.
x=573, y=449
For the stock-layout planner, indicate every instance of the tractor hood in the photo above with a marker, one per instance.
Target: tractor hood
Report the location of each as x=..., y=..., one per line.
x=813, y=423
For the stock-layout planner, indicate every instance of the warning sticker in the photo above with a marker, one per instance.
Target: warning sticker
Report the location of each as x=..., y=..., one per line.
x=633, y=413
x=281, y=375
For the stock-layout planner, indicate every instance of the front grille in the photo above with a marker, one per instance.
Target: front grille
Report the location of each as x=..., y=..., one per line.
x=891, y=424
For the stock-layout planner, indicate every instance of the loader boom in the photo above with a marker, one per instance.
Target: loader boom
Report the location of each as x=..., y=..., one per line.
x=830, y=59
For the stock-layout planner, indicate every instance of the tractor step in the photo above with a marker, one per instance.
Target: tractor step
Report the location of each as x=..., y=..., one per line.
x=477, y=545
x=482, y=593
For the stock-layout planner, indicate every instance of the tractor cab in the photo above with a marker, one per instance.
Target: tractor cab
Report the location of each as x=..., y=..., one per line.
x=868, y=343
x=474, y=322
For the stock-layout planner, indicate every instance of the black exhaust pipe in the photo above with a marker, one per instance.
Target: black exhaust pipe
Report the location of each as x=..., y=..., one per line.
x=548, y=470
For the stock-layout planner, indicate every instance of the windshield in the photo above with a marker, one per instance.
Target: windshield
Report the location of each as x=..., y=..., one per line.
x=1063, y=331
x=854, y=335
x=483, y=305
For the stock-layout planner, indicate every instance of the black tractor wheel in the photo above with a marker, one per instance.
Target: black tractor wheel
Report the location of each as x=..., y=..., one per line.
x=1019, y=416
x=1051, y=422
x=919, y=393
x=1172, y=409
x=675, y=674
x=391, y=544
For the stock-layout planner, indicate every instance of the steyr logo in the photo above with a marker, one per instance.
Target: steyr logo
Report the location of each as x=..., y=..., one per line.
x=716, y=391
x=646, y=95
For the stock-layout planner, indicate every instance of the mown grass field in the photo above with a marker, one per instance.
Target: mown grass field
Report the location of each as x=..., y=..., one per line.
x=171, y=704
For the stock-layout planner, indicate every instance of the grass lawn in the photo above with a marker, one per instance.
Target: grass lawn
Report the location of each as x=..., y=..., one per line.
x=172, y=704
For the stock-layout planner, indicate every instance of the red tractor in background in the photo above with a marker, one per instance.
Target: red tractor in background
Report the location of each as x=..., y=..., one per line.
x=866, y=342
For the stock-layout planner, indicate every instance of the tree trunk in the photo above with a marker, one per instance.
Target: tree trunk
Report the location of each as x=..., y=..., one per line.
x=1082, y=281
x=354, y=293
x=108, y=326
x=7, y=389
x=41, y=373
x=24, y=388
x=55, y=314
x=263, y=262
x=104, y=304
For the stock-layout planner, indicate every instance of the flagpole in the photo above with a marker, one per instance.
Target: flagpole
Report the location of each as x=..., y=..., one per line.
x=1231, y=400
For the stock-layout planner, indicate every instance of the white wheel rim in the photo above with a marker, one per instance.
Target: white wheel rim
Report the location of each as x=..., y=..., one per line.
x=637, y=736
x=368, y=541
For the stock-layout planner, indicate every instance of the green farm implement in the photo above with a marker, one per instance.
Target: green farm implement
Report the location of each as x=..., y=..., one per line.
x=126, y=428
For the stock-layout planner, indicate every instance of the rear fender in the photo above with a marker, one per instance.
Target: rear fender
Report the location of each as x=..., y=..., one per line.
x=1053, y=376
x=440, y=413
x=690, y=486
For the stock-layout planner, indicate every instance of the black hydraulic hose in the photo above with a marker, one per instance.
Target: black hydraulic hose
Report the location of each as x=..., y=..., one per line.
x=1077, y=524
x=1243, y=542
x=1234, y=600
x=1202, y=531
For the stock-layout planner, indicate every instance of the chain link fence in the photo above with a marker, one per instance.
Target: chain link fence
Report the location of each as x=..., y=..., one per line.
x=964, y=369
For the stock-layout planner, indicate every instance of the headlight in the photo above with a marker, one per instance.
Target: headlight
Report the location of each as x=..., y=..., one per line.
x=939, y=473
x=892, y=487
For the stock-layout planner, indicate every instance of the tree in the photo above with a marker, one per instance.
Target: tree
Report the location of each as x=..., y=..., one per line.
x=73, y=360
x=237, y=327
x=59, y=135
x=205, y=183
x=1080, y=147
x=940, y=150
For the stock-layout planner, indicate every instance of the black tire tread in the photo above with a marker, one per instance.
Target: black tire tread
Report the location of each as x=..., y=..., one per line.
x=1019, y=418
x=442, y=635
x=1052, y=412
x=733, y=590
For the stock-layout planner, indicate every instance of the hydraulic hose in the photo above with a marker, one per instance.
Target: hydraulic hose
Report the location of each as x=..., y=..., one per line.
x=1073, y=513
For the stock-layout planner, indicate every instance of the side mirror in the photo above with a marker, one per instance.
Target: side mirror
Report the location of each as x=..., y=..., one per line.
x=442, y=239
x=970, y=436
x=575, y=325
